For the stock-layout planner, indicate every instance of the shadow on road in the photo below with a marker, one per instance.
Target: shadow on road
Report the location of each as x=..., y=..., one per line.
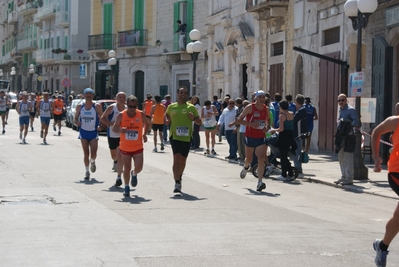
x=186, y=197
x=114, y=189
x=256, y=193
x=89, y=182
x=133, y=199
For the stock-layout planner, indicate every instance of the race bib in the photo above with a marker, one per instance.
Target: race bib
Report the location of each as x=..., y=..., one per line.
x=261, y=125
x=209, y=123
x=58, y=109
x=182, y=130
x=132, y=135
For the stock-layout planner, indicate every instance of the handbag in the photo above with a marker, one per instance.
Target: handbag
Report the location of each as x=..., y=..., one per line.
x=304, y=157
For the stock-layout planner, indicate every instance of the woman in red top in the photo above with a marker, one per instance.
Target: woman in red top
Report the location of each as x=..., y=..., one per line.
x=391, y=124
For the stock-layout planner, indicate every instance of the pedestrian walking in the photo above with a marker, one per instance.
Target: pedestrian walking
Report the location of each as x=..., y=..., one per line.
x=87, y=119
x=132, y=125
x=44, y=111
x=300, y=127
x=257, y=125
x=180, y=116
x=345, y=139
x=391, y=124
x=108, y=118
x=312, y=116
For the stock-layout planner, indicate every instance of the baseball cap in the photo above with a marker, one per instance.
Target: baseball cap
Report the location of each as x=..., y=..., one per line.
x=88, y=90
x=59, y=95
x=45, y=93
x=258, y=93
x=72, y=92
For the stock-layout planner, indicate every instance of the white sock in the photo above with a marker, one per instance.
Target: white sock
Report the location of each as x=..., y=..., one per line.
x=87, y=168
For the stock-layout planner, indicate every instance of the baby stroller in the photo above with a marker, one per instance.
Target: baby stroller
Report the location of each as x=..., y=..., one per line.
x=275, y=154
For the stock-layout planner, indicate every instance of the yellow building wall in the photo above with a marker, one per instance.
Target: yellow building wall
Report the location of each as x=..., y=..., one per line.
x=96, y=17
x=117, y=14
x=129, y=15
x=150, y=17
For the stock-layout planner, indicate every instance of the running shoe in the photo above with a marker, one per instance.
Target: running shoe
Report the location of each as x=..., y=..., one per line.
x=20, y=135
x=155, y=150
x=31, y=128
x=126, y=193
x=41, y=134
x=177, y=188
x=87, y=175
x=260, y=186
x=93, y=167
x=24, y=141
x=4, y=131
x=381, y=256
x=44, y=142
x=243, y=172
x=118, y=181
x=133, y=180
x=55, y=129
x=220, y=138
x=162, y=146
x=59, y=132
x=207, y=152
x=213, y=152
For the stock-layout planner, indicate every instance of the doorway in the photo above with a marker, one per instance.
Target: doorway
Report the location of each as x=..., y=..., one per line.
x=244, y=81
x=139, y=87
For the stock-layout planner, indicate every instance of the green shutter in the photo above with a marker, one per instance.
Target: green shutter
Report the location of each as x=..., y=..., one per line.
x=25, y=64
x=41, y=42
x=66, y=42
x=107, y=26
x=176, y=16
x=190, y=13
x=58, y=42
x=139, y=14
x=3, y=49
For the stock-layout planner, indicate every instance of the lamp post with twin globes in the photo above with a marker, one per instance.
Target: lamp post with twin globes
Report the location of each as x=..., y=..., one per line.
x=13, y=73
x=112, y=63
x=194, y=48
x=31, y=71
x=359, y=12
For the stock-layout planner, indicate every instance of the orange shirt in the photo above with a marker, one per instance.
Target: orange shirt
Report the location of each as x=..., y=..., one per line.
x=58, y=106
x=393, y=163
x=132, y=140
x=147, y=107
x=158, y=115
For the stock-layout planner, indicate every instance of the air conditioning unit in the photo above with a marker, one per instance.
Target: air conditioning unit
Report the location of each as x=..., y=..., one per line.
x=333, y=11
x=323, y=14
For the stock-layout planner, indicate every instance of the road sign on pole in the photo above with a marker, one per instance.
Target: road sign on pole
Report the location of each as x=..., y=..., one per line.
x=66, y=82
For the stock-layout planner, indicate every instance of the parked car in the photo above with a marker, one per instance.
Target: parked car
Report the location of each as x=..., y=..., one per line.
x=14, y=99
x=104, y=105
x=70, y=113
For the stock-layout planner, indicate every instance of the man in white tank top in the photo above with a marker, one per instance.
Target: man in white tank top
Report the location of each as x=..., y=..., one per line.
x=45, y=109
x=23, y=108
x=108, y=118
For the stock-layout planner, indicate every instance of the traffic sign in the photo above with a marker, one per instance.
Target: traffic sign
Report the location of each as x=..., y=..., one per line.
x=66, y=82
x=39, y=78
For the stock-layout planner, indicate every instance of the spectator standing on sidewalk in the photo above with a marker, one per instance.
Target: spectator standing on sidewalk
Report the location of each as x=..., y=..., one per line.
x=291, y=105
x=166, y=102
x=229, y=116
x=196, y=141
x=347, y=115
x=300, y=127
x=312, y=116
x=277, y=99
x=391, y=124
x=208, y=115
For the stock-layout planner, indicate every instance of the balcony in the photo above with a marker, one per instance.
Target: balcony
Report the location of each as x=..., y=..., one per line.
x=266, y=5
x=45, y=55
x=13, y=17
x=37, y=21
x=27, y=45
x=132, y=39
x=28, y=8
x=46, y=11
x=72, y=56
x=101, y=42
x=62, y=18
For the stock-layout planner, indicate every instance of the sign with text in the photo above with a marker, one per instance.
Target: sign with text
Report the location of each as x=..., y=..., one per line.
x=368, y=108
x=356, y=81
x=103, y=66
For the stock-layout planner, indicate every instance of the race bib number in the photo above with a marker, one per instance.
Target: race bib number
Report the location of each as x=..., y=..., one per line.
x=209, y=123
x=182, y=130
x=58, y=109
x=261, y=124
x=132, y=135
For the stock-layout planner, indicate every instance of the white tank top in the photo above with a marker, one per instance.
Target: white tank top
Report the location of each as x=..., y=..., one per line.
x=211, y=121
x=88, y=119
x=112, y=118
x=23, y=109
x=3, y=104
x=45, y=109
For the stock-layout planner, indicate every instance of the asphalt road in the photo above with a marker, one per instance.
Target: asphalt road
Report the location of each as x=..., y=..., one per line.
x=50, y=216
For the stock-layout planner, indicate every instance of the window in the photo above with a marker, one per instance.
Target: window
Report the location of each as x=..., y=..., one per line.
x=66, y=42
x=277, y=49
x=331, y=36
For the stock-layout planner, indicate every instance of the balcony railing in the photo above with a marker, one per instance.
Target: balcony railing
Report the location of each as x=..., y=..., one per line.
x=132, y=38
x=61, y=18
x=103, y=41
x=28, y=8
x=46, y=11
x=47, y=54
x=27, y=44
x=72, y=55
x=173, y=46
x=13, y=17
x=259, y=5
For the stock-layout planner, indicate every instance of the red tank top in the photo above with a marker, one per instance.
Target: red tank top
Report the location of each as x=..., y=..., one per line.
x=393, y=163
x=260, y=116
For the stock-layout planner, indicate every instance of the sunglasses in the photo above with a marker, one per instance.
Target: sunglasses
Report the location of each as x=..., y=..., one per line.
x=341, y=100
x=231, y=103
x=130, y=106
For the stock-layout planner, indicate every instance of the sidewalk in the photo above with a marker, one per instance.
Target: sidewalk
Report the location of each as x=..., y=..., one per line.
x=322, y=168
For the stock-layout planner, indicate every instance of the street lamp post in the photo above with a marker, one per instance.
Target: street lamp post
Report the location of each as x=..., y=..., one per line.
x=359, y=11
x=31, y=71
x=194, y=48
x=112, y=63
x=13, y=72
x=1, y=74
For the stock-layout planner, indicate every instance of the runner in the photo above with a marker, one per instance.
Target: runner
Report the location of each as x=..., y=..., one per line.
x=180, y=116
x=58, y=110
x=9, y=105
x=87, y=119
x=44, y=111
x=257, y=124
x=3, y=109
x=32, y=113
x=108, y=118
x=391, y=124
x=147, y=106
x=209, y=113
x=132, y=124
x=158, y=118
x=23, y=108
